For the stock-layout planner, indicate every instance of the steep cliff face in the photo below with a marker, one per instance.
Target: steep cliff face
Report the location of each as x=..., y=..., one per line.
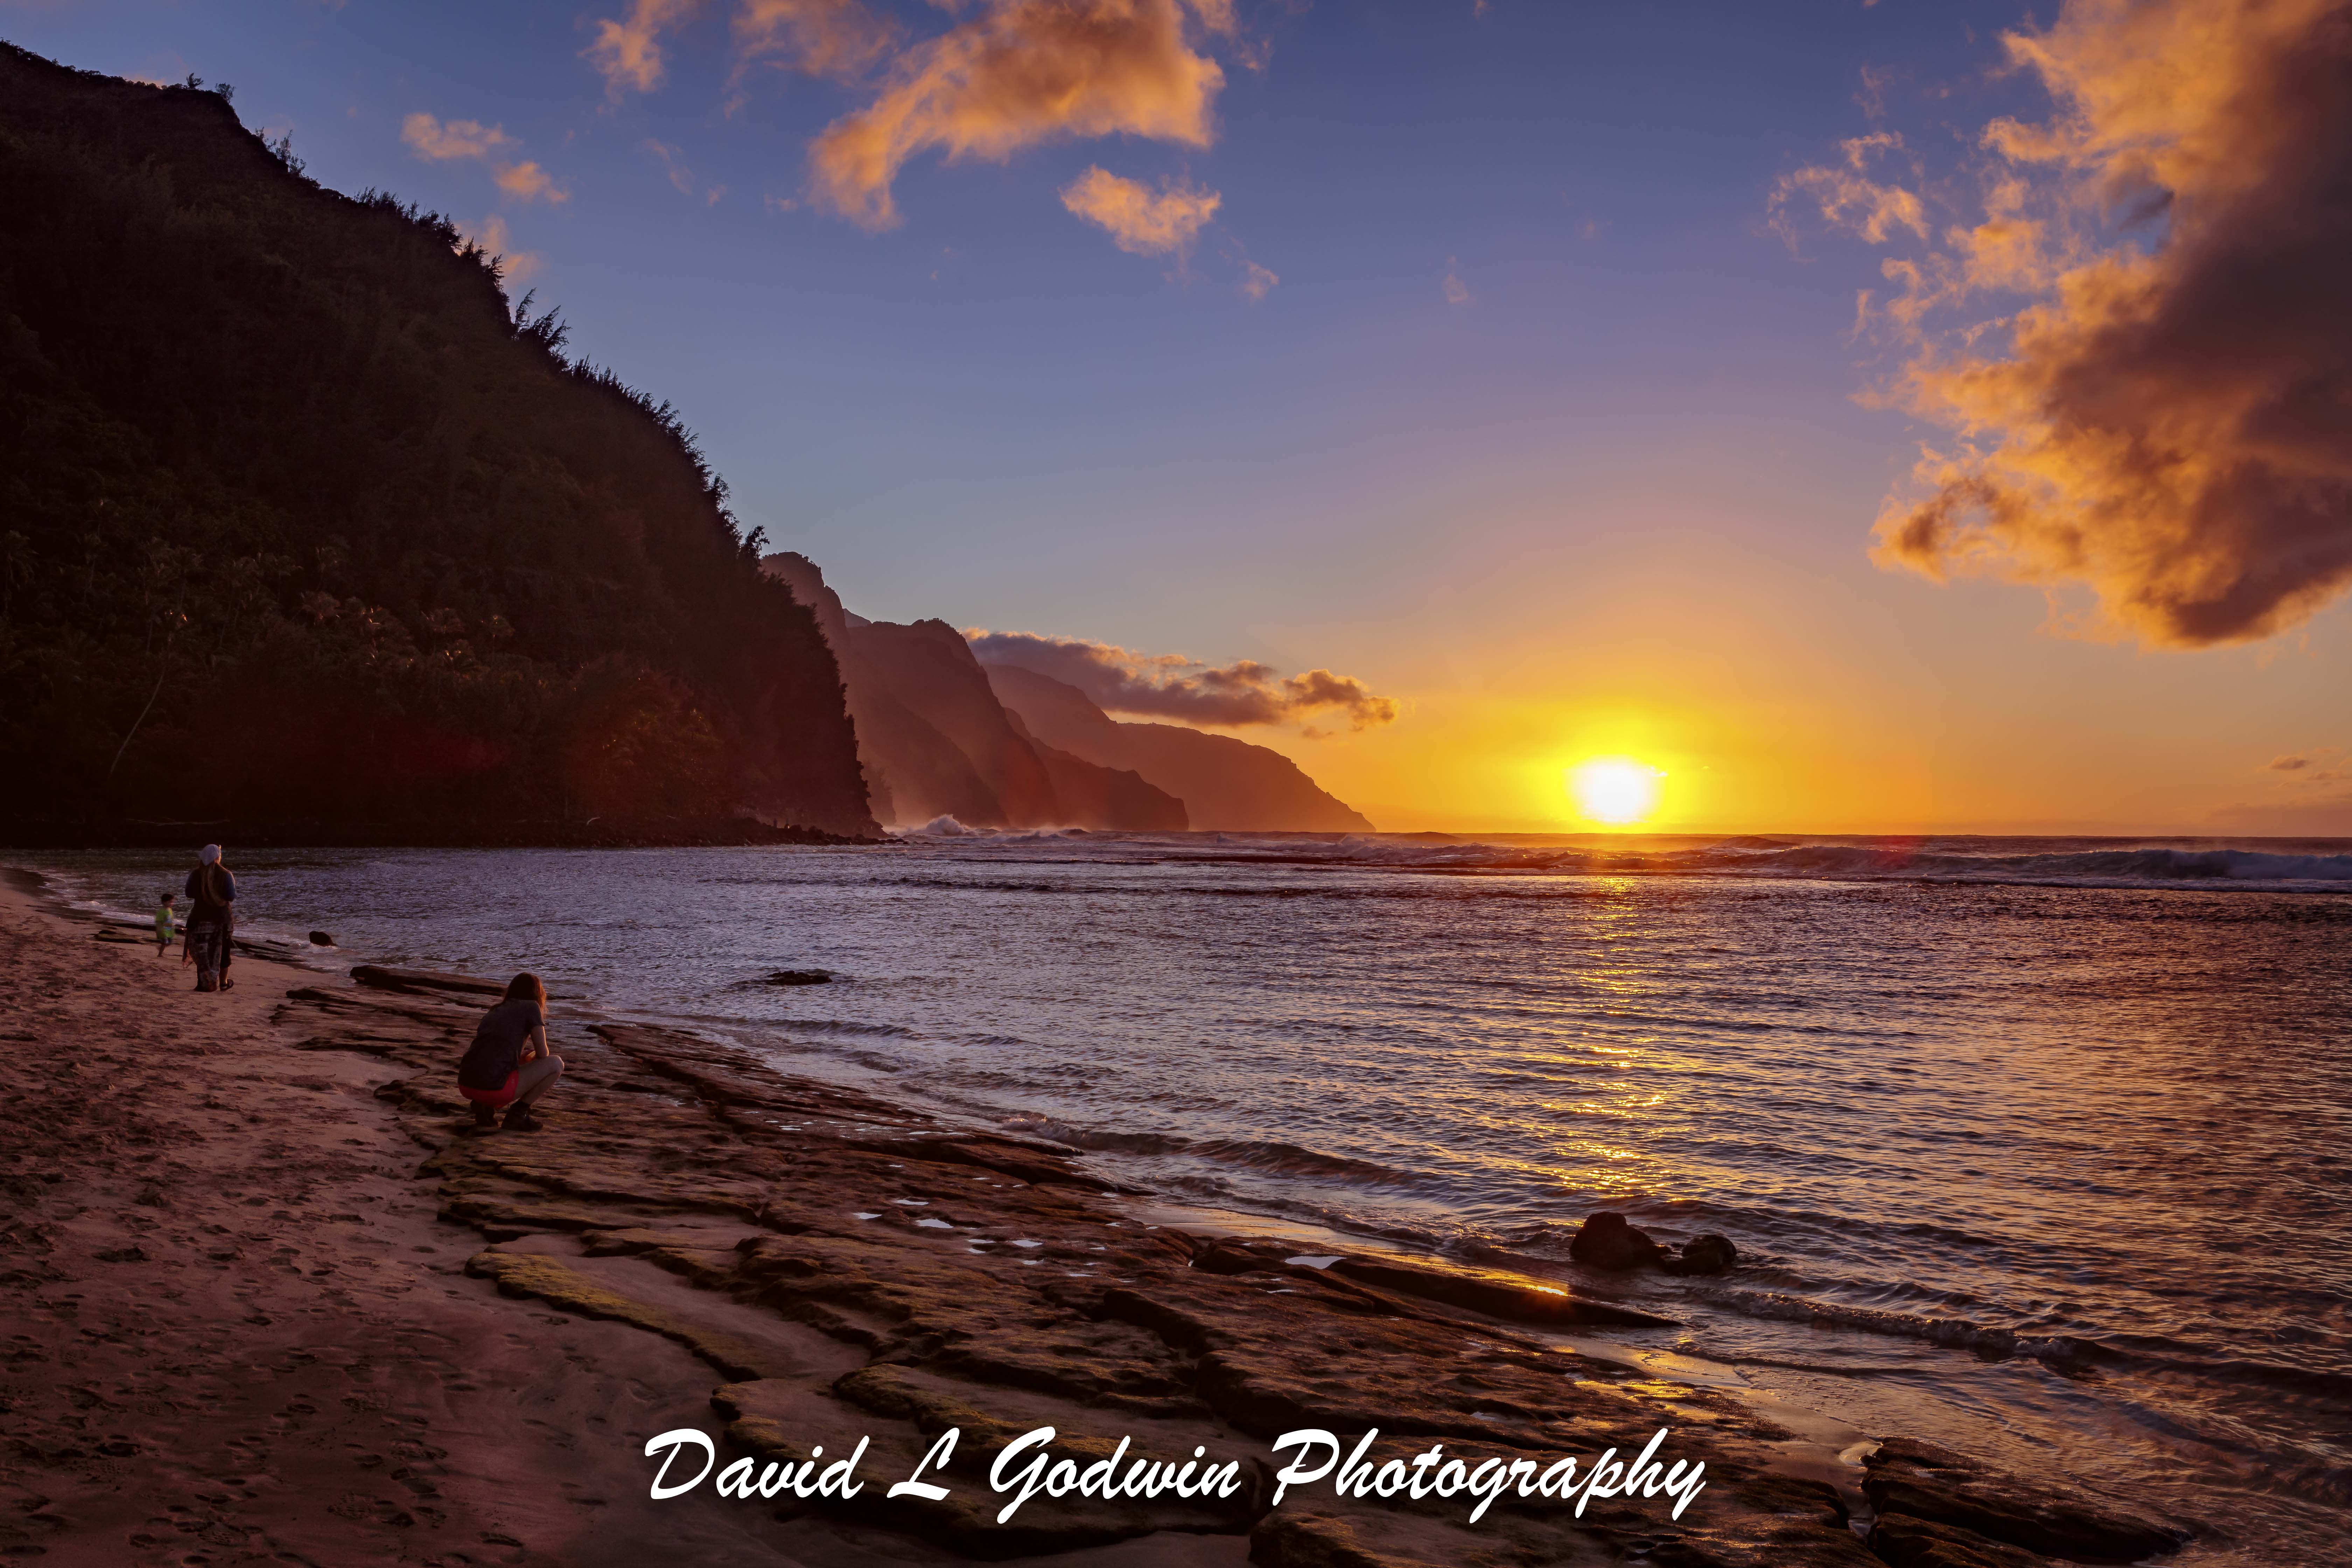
x=1094, y=795
x=929, y=667
x=1225, y=784
x=301, y=519
x=935, y=742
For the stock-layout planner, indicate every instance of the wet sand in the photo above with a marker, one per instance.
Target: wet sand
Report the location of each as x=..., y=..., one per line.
x=270, y=1299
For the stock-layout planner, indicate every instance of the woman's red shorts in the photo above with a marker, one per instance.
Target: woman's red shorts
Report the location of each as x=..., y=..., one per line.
x=493, y=1096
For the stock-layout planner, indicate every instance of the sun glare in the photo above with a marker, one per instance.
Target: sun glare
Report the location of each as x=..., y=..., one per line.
x=1617, y=791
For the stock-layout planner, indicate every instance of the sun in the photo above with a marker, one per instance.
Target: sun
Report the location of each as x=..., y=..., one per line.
x=1617, y=791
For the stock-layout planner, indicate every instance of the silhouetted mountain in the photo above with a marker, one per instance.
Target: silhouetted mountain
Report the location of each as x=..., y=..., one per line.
x=935, y=742
x=1225, y=784
x=302, y=519
x=1093, y=795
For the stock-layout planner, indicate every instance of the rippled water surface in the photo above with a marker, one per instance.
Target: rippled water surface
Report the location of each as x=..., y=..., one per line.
x=2033, y=1148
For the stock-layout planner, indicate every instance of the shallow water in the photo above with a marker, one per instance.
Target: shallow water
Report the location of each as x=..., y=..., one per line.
x=2037, y=1148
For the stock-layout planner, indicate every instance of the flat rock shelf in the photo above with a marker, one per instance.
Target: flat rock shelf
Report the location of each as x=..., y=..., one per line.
x=848, y=1268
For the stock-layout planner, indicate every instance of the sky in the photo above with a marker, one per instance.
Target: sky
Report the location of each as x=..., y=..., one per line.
x=1877, y=417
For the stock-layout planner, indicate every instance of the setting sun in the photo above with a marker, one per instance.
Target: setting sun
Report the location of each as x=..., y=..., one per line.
x=1618, y=791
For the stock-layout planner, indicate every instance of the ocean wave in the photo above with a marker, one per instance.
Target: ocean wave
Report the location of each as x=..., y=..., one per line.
x=946, y=826
x=2318, y=1387
x=1262, y=1154
x=1894, y=859
x=851, y=1026
x=270, y=940
x=2306, y=865
x=941, y=826
x=1958, y=1333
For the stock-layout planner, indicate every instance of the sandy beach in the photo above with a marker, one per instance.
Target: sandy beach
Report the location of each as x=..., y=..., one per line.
x=272, y=1299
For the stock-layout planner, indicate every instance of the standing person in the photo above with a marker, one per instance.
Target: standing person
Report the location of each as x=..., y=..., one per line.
x=167, y=925
x=509, y=1062
x=212, y=919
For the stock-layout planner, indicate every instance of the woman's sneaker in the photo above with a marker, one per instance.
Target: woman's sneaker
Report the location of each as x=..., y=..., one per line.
x=483, y=1115
x=520, y=1120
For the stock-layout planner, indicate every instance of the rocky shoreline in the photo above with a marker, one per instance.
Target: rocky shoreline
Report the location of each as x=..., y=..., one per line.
x=841, y=1269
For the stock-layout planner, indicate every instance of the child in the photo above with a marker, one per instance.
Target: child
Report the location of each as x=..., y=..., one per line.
x=165, y=927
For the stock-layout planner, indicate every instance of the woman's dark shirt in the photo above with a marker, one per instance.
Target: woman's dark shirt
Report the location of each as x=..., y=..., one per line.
x=212, y=893
x=495, y=1054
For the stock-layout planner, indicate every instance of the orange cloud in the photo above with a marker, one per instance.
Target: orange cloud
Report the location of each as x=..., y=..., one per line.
x=514, y=266
x=1259, y=281
x=530, y=182
x=457, y=139
x=1171, y=686
x=1140, y=221
x=822, y=38
x=1024, y=72
x=2168, y=423
x=1849, y=199
x=439, y=140
x=628, y=52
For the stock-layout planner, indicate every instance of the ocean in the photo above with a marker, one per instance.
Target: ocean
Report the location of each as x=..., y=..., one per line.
x=2035, y=1148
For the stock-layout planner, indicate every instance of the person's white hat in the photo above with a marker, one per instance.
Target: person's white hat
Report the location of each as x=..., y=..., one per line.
x=208, y=854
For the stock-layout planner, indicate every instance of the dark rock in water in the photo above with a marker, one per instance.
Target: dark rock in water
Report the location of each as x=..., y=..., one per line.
x=1035, y=1166
x=1708, y=1254
x=1225, y=1257
x=799, y=977
x=1902, y=1541
x=322, y=938
x=1943, y=1487
x=1605, y=1240
x=427, y=983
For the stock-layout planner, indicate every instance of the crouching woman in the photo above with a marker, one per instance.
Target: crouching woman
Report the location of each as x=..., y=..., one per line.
x=509, y=1063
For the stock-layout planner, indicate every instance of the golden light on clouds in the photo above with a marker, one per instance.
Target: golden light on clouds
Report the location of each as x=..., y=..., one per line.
x=433, y=139
x=1024, y=72
x=1006, y=75
x=514, y=266
x=817, y=38
x=1140, y=221
x=528, y=182
x=626, y=50
x=440, y=140
x=1848, y=198
x=2167, y=421
x=1616, y=792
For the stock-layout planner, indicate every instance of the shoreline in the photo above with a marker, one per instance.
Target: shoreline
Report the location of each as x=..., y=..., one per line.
x=821, y=1266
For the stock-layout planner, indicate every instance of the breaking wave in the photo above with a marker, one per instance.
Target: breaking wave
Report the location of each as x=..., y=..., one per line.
x=1958, y=1333
x=946, y=826
x=2065, y=862
x=1263, y=1155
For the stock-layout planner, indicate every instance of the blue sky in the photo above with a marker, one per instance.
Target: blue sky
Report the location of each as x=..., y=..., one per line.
x=1543, y=427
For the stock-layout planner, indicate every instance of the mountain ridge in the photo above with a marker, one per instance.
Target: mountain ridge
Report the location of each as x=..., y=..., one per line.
x=1226, y=784
x=943, y=733
x=934, y=741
